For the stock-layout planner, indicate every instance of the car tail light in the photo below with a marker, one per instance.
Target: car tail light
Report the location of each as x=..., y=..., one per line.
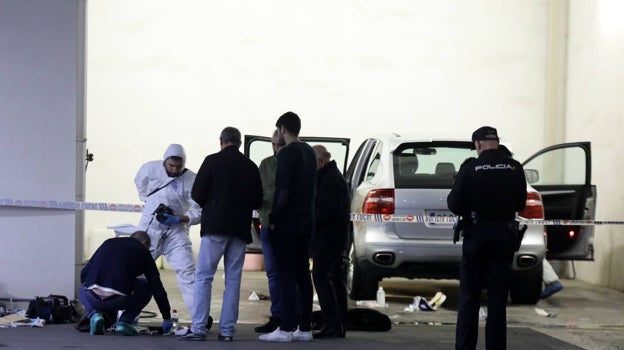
x=534, y=206
x=379, y=201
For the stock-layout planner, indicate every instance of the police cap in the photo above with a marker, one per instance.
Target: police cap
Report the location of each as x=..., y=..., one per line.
x=484, y=133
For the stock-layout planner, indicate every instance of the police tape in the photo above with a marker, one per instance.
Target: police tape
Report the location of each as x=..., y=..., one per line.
x=450, y=219
x=70, y=205
x=383, y=218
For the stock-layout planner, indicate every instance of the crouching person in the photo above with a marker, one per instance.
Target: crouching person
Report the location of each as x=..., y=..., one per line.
x=121, y=275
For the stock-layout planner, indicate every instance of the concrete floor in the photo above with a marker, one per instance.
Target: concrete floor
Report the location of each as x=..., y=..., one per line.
x=586, y=317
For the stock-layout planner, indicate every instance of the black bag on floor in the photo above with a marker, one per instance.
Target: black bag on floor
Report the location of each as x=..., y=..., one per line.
x=368, y=320
x=53, y=309
x=358, y=319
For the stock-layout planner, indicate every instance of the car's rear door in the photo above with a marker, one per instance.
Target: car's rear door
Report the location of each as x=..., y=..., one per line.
x=257, y=148
x=562, y=175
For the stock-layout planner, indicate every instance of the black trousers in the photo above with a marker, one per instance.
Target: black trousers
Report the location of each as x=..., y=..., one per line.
x=330, y=280
x=487, y=255
x=291, y=246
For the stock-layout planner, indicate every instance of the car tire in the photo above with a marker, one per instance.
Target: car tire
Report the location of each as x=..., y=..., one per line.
x=526, y=286
x=362, y=286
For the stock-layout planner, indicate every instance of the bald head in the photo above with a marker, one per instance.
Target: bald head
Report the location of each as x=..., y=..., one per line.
x=276, y=142
x=322, y=156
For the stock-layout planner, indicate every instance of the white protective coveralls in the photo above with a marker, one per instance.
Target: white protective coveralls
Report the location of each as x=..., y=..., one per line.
x=171, y=241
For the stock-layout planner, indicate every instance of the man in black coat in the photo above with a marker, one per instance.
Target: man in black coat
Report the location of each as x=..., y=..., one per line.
x=329, y=245
x=228, y=188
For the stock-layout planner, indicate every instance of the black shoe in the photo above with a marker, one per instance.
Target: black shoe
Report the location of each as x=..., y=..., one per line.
x=268, y=327
x=225, y=337
x=329, y=332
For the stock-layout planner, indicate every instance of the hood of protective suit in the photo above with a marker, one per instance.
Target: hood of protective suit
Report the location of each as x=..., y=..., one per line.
x=175, y=150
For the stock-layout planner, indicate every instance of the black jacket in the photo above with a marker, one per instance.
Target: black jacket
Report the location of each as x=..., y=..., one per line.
x=228, y=188
x=295, y=184
x=491, y=186
x=118, y=262
x=332, y=210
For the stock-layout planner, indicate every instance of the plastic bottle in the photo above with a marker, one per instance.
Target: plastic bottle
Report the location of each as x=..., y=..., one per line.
x=381, y=297
x=174, y=318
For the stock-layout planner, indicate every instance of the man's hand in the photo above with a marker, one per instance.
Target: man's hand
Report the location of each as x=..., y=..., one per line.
x=167, y=326
x=170, y=219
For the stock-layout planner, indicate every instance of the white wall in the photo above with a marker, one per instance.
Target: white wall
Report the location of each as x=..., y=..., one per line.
x=595, y=110
x=41, y=103
x=163, y=71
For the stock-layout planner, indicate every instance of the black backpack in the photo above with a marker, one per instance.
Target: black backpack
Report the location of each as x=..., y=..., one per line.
x=359, y=319
x=53, y=309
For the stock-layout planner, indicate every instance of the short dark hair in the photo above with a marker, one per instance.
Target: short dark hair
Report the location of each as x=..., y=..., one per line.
x=291, y=122
x=231, y=134
x=143, y=237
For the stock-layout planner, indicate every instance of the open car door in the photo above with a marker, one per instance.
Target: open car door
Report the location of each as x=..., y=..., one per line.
x=257, y=148
x=562, y=175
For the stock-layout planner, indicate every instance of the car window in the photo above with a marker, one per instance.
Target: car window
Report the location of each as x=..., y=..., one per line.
x=372, y=169
x=563, y=166
x=260, y=150
x=259, y=147
x=352, y=166
x=429, y=164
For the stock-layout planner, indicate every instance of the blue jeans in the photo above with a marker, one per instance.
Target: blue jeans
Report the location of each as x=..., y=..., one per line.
x=270, y=267
x=132, y=304
x=211, y=249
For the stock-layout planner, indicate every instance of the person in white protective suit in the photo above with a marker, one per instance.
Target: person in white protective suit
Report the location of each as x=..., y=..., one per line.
x=169, y=183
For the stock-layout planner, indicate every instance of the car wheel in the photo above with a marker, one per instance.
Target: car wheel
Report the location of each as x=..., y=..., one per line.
x=526, y=286
x=362, y=286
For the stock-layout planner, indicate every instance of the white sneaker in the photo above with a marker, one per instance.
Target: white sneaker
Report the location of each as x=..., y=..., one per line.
x=302, y=336
x=278, y=335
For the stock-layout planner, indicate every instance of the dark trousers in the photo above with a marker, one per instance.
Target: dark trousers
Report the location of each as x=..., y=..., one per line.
x=487, y=257
x=330, y=280
x=131, y=304
x=291, y=246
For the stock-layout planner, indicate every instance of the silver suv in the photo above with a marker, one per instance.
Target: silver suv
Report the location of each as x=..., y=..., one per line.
x=412, y=176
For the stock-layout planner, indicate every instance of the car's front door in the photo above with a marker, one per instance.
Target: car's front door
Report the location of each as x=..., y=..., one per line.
x=562, y=175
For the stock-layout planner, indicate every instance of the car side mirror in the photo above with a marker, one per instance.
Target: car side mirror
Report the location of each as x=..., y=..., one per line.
x=532, y=175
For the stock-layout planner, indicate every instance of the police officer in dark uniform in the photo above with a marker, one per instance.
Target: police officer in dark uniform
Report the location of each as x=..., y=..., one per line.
x=488, y=190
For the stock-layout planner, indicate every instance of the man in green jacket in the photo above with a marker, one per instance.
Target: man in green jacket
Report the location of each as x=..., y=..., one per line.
x=267, y=174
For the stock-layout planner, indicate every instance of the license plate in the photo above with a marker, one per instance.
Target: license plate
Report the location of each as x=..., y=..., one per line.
x=440, y=217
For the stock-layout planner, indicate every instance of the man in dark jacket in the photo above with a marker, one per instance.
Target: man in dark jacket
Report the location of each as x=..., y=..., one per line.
x=329, y=244
x=110, y=283
x=228, y=188
x=488, y=190
x=291, y=223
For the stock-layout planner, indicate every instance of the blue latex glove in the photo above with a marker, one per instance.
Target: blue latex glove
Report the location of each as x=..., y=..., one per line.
x=171, y=219
x=167, y=325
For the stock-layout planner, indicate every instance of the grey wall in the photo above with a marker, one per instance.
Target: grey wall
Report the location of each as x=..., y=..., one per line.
x=41, y=132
